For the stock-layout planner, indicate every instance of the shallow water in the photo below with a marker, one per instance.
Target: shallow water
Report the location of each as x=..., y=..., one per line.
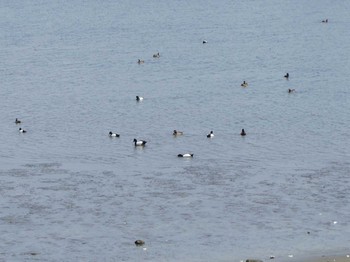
x=71, y=193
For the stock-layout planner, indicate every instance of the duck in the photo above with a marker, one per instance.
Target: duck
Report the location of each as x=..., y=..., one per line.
x=291, y=90
x=286, y=75
x=177, y=133
x=139, y=98
x=325, y=21
x=22, y=130
x=140, y=61
x=244, y=84
x=139, y=242
x=111, y=134
x=211, y=134
x=139, y=142
x=17, y=121
x=156, y=55
x=243, y=133
x=205, y=41
x=185, y=155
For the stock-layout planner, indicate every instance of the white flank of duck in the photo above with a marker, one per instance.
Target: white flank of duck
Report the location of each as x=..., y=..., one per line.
x=185, y=155
x=139, y=142
x=211, y=134
x=111, y=134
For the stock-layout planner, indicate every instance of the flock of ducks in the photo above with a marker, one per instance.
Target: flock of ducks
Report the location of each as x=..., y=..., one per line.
x=244, y=84
x=138, y=143
x=179, y=133
x=142, y=143
x=175, y=132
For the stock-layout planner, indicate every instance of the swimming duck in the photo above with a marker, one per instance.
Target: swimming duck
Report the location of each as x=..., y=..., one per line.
x=243, y=132
x=177, y=133
x=139, y=142
x=139, y=242
x=211, y=134
x=17, y=121
x=244, y=84
x=291, y=90
x=325, y=21
x=205, y=41
x=286, y=75
x=185, y=155
x=22, y=130
x=139, y=98
x=140, y=61
x=111, y=134
x=156, y=55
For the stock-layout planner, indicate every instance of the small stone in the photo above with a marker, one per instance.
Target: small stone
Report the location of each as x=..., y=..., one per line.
x=139, y=242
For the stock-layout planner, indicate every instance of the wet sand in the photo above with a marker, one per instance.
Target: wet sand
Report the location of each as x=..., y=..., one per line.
x=313, y=258
x=335, y=258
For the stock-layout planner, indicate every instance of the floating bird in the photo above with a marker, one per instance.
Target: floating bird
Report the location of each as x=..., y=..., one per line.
x=140, y=61
x=22, y=130
x=156, y=55
x=185, y=155
x=111, y=134
x=139, y=142
x=211, y=134
x=325, y=21
x=177, y=133
x=291, y=90
x=243, y=133
x=286, y=75
x=139, y=98
x=17, y=121
x=244, y=84
x=139, y=242
x=205, y=41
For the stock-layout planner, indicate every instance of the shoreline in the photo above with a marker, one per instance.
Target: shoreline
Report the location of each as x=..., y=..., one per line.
x=324, y=258
x=335, y=257
x=338, y=258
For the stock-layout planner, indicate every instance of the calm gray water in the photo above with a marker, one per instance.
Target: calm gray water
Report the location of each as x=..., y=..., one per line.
x=69, y=71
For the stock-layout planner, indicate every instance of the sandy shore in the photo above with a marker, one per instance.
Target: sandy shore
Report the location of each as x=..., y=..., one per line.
x=336, y=258
x=291, y=258
x=323, y=258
